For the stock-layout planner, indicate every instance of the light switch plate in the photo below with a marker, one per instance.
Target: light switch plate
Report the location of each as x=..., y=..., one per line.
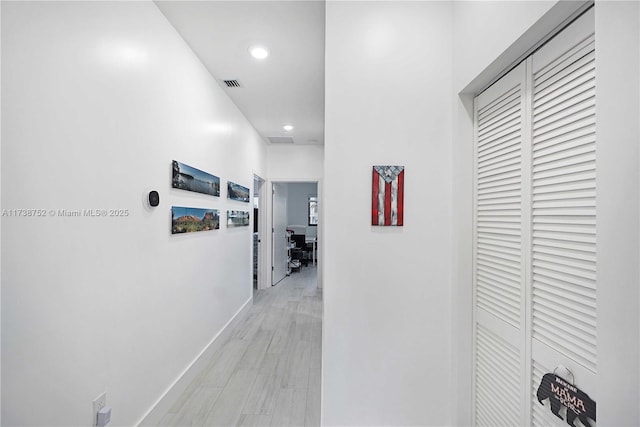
x=98, y=403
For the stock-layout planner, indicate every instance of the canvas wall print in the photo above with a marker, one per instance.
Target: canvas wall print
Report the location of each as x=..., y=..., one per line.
x=387, y=201
x=190, y=220
x=188, y=178
x=237, y=192
x=237, y=218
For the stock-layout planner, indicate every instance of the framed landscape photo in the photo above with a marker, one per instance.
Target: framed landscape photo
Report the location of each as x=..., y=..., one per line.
x=188, y=178
x=237, y=218
x=190, y=220
x=237, y=192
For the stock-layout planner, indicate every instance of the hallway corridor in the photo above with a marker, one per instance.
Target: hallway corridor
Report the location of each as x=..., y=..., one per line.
x=268, y=372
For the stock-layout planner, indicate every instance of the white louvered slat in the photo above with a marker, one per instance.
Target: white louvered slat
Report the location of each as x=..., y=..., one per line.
x=508, y=144
x=578, y=50
x=497, y=381
x=564, y=207
x=493, y=108
x=565, y=89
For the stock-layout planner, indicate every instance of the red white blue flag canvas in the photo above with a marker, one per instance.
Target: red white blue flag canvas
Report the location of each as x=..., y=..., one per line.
x=387, y=200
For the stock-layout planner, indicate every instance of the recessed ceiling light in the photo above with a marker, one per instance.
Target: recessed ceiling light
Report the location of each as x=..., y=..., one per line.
x=287, y=128
x=259, y=52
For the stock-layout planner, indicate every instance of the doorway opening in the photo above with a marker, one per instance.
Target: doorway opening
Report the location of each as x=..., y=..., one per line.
x=295, y=222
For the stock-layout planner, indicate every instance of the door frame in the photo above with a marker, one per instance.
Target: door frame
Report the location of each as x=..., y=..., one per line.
x=262, y=231
x=269, y=220
x=272, y=245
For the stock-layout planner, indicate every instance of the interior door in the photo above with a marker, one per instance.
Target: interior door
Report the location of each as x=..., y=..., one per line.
x=279, y=229
x=499, y=251
x=563, y=212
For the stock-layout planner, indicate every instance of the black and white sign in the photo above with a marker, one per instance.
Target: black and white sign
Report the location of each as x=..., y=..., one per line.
x=562, y=393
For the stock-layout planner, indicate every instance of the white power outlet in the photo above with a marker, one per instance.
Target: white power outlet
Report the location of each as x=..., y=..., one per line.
x=98, y=403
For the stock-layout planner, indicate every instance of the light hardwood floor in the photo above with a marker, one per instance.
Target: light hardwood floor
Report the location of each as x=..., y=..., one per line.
x=268, y=371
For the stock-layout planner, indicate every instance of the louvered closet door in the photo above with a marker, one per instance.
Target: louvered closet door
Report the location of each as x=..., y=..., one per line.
x=498, y=252
x=535, y=230
x=563, y=314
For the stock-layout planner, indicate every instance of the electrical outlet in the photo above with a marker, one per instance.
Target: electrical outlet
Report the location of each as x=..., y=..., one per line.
x=98, y=403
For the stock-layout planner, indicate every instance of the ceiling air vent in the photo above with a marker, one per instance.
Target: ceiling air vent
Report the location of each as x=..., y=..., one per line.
x=281, y=140
x=232, y=83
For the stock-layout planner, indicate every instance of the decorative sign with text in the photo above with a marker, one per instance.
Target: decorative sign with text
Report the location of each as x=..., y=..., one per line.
x=561, y=393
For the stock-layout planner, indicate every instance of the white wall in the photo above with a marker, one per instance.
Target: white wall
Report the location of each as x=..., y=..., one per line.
x=618, y=58
x=618, y=216
x=298, y=205
x=98, y=98
x=485, y=29
x=0, y=220
x=387, y=327
x=295, y=163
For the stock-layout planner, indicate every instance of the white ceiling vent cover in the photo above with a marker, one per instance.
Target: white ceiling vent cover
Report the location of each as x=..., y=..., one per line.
x=232, y=83
x=281, y=140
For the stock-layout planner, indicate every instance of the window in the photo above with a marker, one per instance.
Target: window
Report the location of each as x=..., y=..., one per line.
x=313, y=210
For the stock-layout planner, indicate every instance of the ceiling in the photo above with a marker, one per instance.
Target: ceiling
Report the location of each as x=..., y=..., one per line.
x=287, y=87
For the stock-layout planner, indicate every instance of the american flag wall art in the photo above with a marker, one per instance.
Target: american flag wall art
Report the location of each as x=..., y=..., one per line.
x=387, y=199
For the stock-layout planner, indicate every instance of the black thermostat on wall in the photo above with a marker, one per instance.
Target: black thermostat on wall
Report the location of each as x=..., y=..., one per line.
x=154, y=198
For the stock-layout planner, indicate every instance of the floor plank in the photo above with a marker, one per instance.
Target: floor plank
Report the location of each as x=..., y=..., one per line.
x=268, y=371
x=290, y=408
x=252, y=420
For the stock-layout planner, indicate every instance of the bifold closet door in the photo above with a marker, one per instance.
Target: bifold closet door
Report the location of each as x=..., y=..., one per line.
x=563, y=252
x=535, y=230
x=499, y=251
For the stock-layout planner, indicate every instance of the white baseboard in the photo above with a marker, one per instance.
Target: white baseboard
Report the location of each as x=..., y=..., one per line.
x=159, y=409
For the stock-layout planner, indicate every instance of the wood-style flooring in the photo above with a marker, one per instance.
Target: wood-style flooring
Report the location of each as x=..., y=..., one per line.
x=268, y=371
